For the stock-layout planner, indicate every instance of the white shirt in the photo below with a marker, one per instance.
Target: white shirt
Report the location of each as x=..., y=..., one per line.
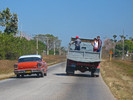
x=95, y=44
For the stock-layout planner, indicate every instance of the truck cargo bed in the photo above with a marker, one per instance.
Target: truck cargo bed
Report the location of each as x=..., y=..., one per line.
x=84, y=56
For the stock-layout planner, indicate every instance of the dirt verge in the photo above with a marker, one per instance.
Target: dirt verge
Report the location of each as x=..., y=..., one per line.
x=118, y=75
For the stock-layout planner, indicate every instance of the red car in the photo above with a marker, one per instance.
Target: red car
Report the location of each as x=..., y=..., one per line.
x=30, y=64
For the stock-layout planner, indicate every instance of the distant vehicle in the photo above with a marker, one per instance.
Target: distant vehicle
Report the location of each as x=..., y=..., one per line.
x=30, y=64
x=84, y=59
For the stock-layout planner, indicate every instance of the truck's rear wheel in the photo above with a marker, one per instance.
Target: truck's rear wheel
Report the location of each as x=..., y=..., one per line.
x=97, y=75
x=92, y=74
x=70, y=73
x=69, y=70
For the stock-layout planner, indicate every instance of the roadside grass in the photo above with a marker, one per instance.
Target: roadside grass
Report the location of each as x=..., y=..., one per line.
x=127, y=66
x=118, y=75
x=7, y=66
x=51, y=59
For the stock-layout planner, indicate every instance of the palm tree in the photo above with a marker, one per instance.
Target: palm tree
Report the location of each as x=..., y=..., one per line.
x=130, y=38
x=114, y=37
x=121, y=36
x=114, y=42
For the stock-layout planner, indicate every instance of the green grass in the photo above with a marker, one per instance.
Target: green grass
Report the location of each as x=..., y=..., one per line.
x=131, y=71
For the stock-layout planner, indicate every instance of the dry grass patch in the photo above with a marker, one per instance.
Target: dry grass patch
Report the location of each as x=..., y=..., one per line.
x=6, y=66
x=51, y=59
x=119, y=77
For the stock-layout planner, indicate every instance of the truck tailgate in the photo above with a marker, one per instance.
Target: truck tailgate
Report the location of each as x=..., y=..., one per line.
x=84, y=56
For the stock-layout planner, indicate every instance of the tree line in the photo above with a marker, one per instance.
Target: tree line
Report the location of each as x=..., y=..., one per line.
x=13, y=46
x=119, y=47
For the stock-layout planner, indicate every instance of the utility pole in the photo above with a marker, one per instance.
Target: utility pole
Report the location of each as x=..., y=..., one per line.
x=60, y=51
x=21, y=32
x=37, y=44
x=123, y=49
x=59, y=47
x=47, y=46
x=123, y=39
x=54, y=47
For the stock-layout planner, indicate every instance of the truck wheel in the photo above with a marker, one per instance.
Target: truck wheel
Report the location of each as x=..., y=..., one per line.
x=92, y=74
x=73, y=73
x=97, y=75
x=70, y=73
x=18, y=76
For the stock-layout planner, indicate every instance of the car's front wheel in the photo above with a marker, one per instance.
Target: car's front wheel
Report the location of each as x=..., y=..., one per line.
x=45, y=74
x=42, y=74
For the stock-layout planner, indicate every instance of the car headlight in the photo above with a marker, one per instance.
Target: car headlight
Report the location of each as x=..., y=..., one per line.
x=15, y=66
x=39, y=65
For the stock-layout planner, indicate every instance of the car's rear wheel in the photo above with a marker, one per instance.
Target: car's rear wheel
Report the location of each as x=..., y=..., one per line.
x=18, y=76
x=22, y=75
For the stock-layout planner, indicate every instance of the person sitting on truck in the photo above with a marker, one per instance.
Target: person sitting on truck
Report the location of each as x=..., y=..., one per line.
x=99, y=44
x=95, y=45
x=77, y=43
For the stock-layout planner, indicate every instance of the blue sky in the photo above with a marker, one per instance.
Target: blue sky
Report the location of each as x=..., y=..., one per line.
x=68, y=18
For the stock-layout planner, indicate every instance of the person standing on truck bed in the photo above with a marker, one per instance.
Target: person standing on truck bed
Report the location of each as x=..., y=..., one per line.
x=77, y=43
x=99, y=44
x=95, y=45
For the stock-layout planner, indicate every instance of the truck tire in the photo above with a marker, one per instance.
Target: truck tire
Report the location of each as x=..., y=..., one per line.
x=69, y=70
x=97, y=72
x=73, y=73
x=70, y=73
x=92, y=74
x=67, y=73
x=97, y=75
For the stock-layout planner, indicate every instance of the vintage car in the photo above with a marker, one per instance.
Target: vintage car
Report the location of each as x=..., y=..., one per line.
x=30, y=64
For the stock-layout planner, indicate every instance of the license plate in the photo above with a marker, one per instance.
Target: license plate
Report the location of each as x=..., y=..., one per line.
x=28, y=71
x=73, y=65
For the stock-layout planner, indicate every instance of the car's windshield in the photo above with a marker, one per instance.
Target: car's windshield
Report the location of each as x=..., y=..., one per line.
x=29, y=59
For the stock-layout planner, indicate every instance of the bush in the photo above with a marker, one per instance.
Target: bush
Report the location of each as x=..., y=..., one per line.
x=132, y=57
x=12, y=47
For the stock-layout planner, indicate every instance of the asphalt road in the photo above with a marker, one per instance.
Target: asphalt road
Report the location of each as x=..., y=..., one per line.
x=56, y=86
